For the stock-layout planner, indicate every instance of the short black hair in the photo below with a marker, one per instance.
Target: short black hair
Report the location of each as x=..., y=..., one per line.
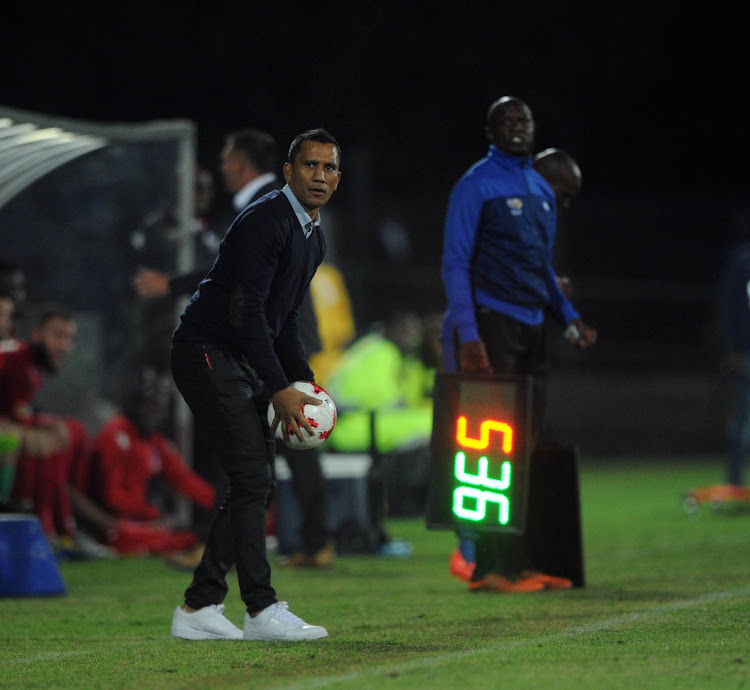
x=258, y=147
x=319, y=134
x=53, y=310
x=9, y=269
x=9, y=266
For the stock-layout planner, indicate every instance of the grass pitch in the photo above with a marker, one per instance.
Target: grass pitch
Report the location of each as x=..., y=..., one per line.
x=666, y=605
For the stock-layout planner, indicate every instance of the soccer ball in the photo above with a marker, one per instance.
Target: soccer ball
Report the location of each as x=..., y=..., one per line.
x=322, y=418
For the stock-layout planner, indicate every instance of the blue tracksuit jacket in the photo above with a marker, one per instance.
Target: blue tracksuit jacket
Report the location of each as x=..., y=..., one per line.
x=497, y=253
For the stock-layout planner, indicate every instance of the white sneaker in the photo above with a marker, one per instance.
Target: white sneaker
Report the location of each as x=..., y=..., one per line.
x=87, y=548
x=207, y=623
x=277, y=622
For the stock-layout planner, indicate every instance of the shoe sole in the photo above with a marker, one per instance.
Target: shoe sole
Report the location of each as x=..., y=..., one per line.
x=197, y=635
x=551, y=581
x=556, y=585
x=506, y=591
x=526, y=586
x=269, y=638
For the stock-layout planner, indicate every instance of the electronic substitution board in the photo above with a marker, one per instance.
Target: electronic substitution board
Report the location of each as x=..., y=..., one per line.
x=479, y=464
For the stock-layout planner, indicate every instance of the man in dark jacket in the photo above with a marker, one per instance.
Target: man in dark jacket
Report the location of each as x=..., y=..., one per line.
x=238, y=346
x=248, y=165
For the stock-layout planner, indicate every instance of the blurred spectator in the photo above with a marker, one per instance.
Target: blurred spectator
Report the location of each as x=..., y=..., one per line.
x=151, y=283
x=55, y=449
x=249, y=162
x=10, y=439
x=734, y=309
x=133, y=469
x=371, y=377
x=154, y=245
x=10, y=443
x=13, y=288
x=13, y=282
x=7, y=313
x=333, y=309
x=564, y=177
x=381, y=374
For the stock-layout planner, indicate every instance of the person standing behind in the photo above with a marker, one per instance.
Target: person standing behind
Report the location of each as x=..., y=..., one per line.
x=13, y=287
x=7, y=314
x=499, y=281
x=335, y=316
x=734, y=311
x=375, y=376
x=381, y=385
x=150, y=283
x=237, y=346
x=564, y=177
x=562, y=174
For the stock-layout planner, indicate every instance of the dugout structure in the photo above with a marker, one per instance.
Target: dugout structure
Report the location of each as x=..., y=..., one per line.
x=82, y=205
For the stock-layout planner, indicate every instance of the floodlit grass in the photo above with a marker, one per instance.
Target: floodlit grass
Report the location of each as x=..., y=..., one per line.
x=666, y=605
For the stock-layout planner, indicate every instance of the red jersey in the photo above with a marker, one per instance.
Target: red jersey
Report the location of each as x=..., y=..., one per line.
x=124, y=463
x=20, y=380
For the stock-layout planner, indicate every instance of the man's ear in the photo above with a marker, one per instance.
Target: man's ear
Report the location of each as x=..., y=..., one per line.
x=287, y=171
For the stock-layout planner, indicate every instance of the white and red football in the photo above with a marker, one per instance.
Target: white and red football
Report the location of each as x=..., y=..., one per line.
x=322, y=418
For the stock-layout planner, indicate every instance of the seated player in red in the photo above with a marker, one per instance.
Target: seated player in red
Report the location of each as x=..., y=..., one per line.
x=52, y=445
x=129, y=456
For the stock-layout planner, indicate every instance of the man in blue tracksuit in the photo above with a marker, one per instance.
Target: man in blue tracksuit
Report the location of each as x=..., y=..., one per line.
x=499, y=281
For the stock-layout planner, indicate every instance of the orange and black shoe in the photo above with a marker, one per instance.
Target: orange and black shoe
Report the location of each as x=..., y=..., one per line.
x=497, y=583
x=548, y=581
x=460, y=567
x=720, y=493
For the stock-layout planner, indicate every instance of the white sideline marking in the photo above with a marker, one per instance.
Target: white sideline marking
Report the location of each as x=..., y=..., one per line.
x=64, y=655
x=438, y=659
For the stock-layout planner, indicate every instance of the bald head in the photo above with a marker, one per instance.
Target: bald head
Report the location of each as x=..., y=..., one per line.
x=510, y=126
x=561, y=172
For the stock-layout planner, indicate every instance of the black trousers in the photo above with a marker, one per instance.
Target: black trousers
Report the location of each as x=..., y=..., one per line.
x=309, y=486
x=516, y=348
x=513, y=348
x=220, y=388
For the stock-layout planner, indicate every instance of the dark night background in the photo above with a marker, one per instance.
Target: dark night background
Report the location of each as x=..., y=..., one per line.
x=645, y=95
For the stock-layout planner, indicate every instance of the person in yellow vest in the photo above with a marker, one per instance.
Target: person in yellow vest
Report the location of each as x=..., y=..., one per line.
x=384, y=378
x=333, y=309
x=380, y=372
